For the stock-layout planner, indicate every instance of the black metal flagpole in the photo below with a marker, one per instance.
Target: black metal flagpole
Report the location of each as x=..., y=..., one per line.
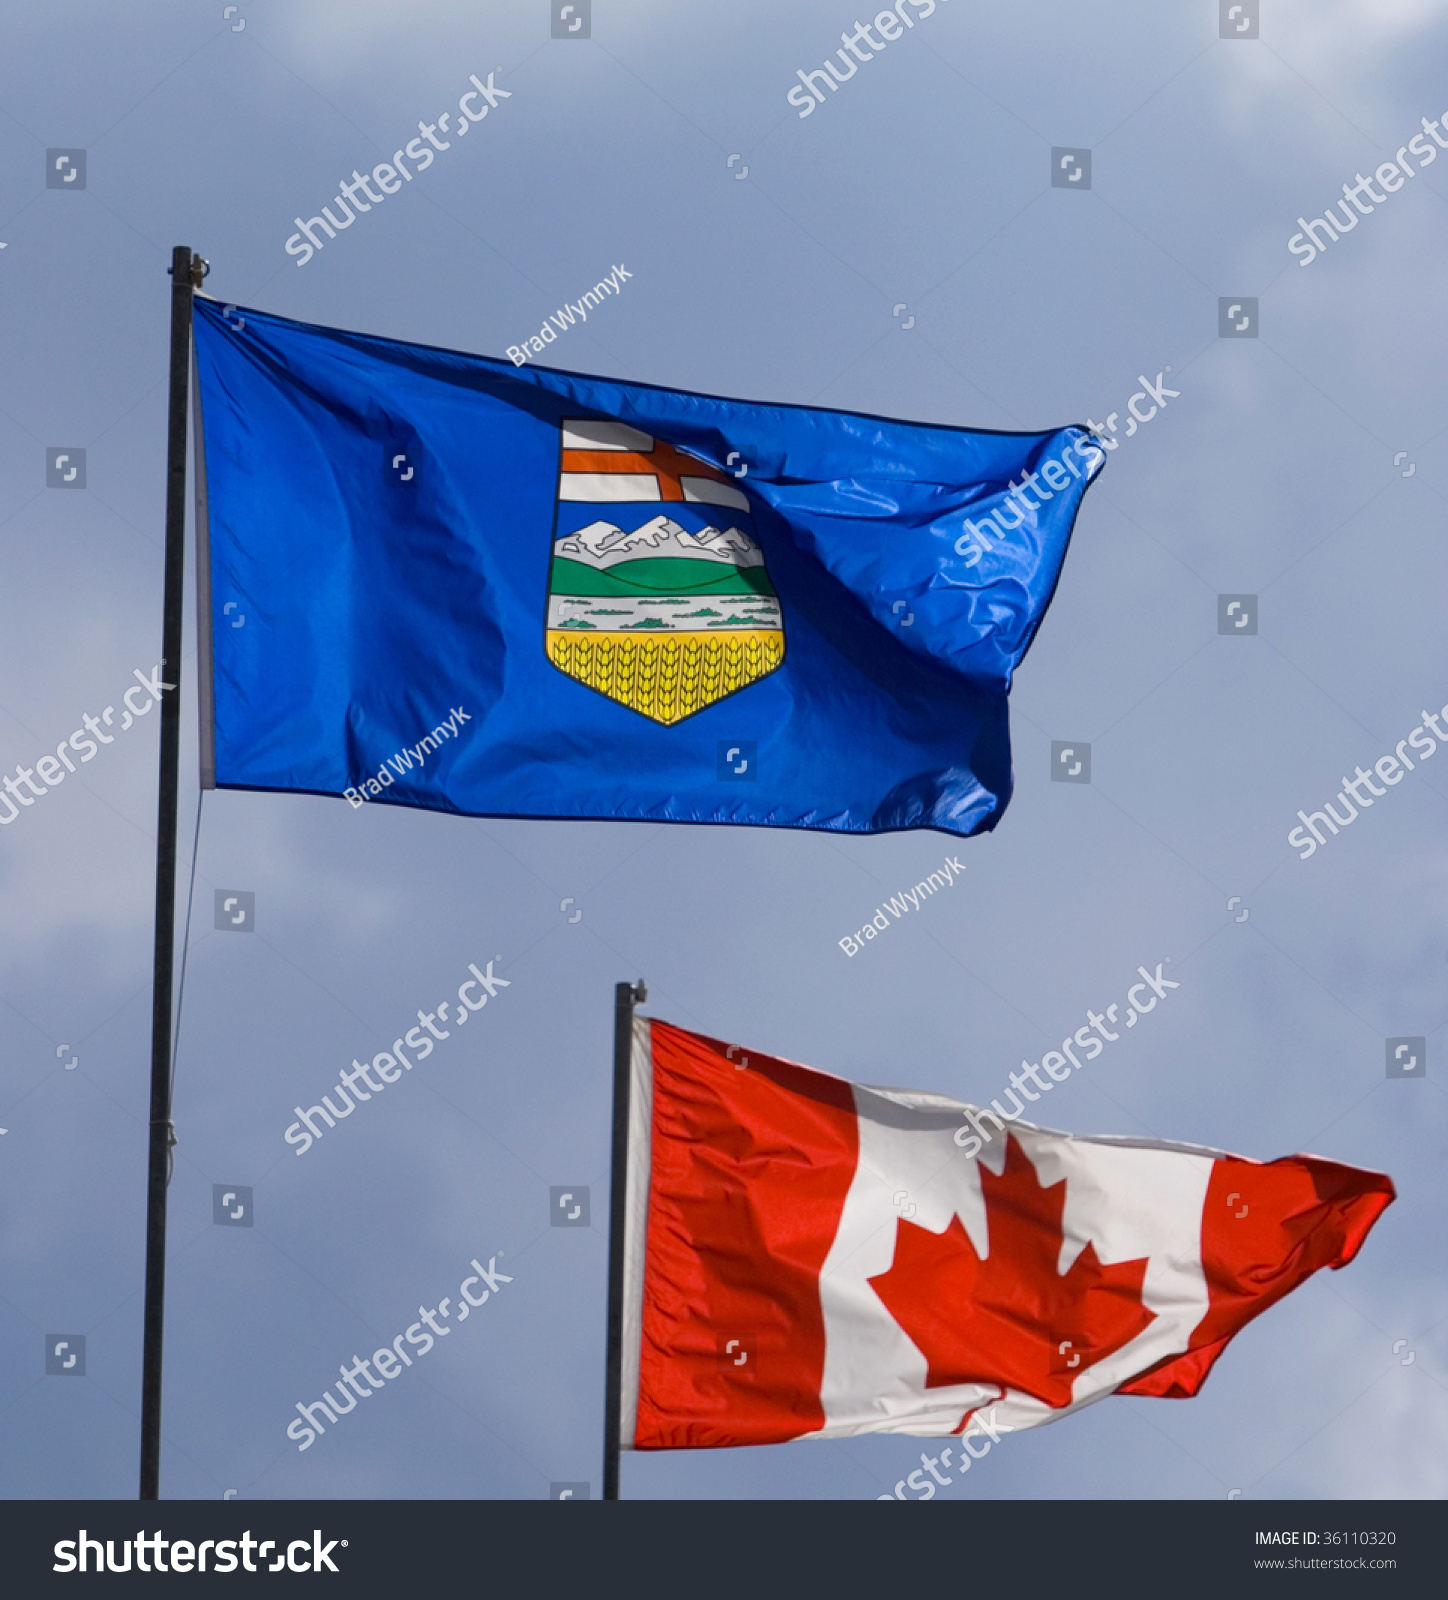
x=187, y=270
x=625, y=997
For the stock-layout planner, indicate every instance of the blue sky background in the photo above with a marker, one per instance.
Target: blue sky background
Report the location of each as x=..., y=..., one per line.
x=924, y=180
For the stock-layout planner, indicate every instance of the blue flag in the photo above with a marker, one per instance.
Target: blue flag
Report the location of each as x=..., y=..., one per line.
x=440, y=580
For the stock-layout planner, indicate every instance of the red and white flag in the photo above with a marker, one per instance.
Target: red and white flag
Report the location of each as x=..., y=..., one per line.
x=806, y=1256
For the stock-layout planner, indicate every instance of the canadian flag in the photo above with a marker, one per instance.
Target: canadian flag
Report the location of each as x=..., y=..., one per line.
x=804, y=1256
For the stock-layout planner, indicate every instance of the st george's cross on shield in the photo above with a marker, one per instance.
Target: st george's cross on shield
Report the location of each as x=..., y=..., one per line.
x=658, y=594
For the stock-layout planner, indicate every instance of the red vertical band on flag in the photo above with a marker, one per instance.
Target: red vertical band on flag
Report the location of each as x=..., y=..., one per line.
x=752, y=1160
x=1266, y=1227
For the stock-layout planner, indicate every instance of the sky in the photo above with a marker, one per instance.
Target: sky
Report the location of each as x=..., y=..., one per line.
x=902, y=251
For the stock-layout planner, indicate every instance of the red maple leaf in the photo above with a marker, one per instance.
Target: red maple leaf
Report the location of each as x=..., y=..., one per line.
x=1011, y=1318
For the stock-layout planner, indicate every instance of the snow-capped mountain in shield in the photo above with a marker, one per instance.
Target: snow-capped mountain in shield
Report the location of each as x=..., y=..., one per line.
x=603, y=544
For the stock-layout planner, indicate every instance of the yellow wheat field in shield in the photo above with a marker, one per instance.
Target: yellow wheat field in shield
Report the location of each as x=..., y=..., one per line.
x=666, y=677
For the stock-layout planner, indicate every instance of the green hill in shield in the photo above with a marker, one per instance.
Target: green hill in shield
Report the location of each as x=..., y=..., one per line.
x=651, y=575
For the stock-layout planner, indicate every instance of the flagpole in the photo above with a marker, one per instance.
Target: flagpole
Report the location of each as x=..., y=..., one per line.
x=625, y=997
x=186, y=270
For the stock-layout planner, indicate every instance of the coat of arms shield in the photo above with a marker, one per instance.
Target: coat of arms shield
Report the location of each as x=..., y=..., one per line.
x=658, y=595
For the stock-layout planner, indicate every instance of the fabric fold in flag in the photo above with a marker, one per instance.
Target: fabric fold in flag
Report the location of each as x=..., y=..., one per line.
x=810, y=1257
x=652, y=605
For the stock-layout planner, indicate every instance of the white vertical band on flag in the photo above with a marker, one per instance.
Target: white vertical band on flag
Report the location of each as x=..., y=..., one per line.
x=1129, y=1198
x=636, y=1224
x=205, y=704
x=910, y=1167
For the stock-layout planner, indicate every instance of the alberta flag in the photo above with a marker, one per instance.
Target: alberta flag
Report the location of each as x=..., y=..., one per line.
x=569, y=597
x=809, y=1257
